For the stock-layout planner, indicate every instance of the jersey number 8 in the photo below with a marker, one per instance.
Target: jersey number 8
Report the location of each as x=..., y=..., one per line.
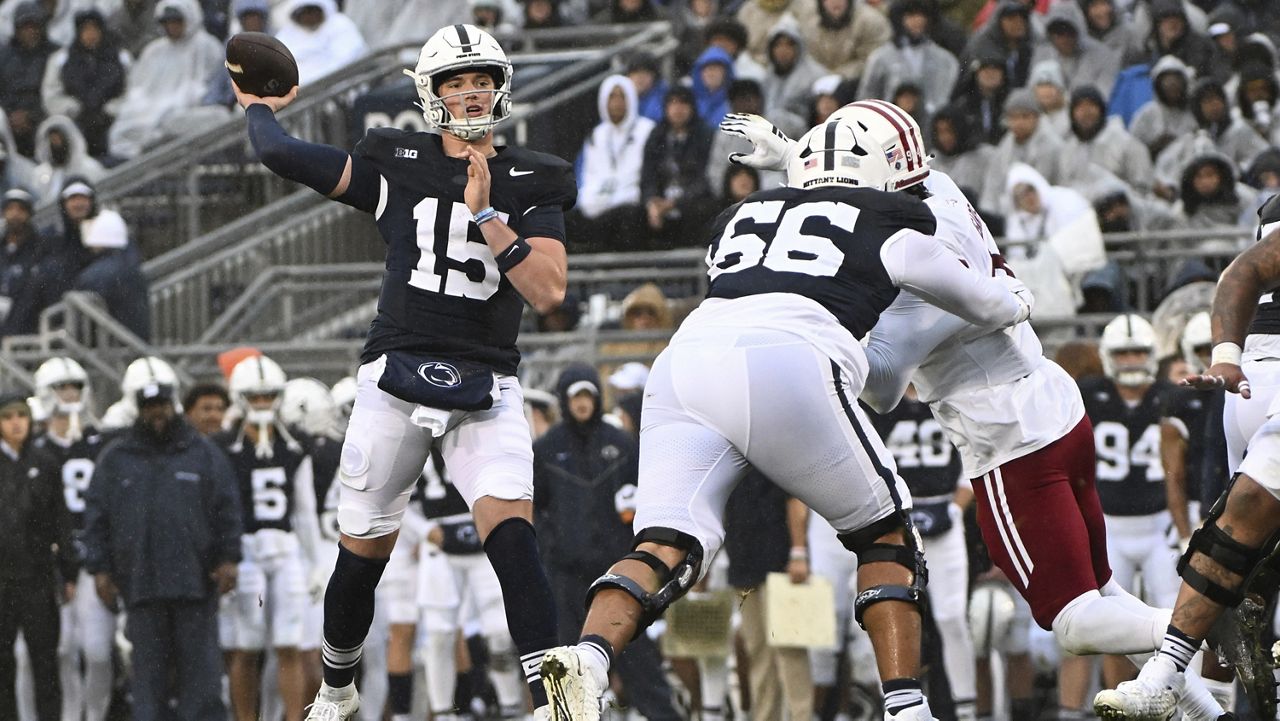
x=790, y=251
x=478, y=278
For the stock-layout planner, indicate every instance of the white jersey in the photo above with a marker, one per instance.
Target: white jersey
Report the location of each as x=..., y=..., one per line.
x=993, y=392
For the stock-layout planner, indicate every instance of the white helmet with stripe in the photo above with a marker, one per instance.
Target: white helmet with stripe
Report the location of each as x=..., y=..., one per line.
x=458, y=49
x=1197, y=334
x=897, y=134
x=52, y=378
x=838, y=152
x=1129, y=332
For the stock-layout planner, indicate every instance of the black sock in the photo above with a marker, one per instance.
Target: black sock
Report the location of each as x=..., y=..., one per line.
x=1178, y=647
x=348, y=613
x=601, y=646
x=901, y=693
x=512, y=548
x=400, y=692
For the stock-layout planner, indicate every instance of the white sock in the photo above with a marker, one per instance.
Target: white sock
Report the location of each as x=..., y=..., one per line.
x=1198, y=702
x=442, y=671
x=713, y=678
x=597, y=659
x=1160, y=617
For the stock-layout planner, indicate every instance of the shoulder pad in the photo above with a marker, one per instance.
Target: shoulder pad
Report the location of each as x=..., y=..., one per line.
x=379, y=141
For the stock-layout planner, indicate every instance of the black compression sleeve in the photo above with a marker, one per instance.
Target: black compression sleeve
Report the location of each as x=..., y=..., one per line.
x=316, y=166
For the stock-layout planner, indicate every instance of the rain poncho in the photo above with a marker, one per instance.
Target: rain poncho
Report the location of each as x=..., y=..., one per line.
x=1092, y=63
x=54, y=168
x=1107, y=147
x=1163, y=116
x=788, y=95
x=909, y=60
x=332, y=45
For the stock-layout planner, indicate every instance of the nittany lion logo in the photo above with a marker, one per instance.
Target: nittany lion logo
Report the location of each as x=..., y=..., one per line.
x=439, y=374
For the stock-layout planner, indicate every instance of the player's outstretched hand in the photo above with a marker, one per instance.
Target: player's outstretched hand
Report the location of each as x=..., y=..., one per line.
x=1221, y=375
x=476, y=193
x=1022, y=293
x=276, y=104
x=770, y=147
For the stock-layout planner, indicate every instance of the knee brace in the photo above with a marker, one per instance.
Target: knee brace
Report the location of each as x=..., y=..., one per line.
x=1211, y=541
x=672, y=582
x=910, y=556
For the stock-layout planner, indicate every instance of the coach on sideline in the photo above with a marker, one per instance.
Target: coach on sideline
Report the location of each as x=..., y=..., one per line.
x=162, y=535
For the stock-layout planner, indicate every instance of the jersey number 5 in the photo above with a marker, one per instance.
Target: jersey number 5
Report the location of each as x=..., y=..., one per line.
x=791, y=251
x=270, y=503
x=447, y=234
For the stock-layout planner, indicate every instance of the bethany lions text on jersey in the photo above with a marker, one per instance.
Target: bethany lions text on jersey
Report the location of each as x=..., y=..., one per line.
x=442, y=292
x=823, y=244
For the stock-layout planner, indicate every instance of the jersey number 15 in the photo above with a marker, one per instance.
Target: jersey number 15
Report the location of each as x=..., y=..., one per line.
x=478, y=277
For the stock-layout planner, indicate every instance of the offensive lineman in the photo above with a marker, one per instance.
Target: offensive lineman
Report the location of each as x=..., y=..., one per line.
x=1016, y=418
x=473, y=230
x=769, y=357
x=280, y=542
x=88, y=626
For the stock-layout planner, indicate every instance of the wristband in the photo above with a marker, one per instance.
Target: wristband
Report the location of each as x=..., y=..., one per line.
x=514, y=254
x=1226, y=353
x=799, y=553
x=484, y=216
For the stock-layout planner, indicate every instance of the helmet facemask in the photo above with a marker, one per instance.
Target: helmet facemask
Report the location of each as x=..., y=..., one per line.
x=454, y=50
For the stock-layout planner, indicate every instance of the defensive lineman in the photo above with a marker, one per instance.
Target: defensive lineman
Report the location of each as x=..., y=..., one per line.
x=471, y=230
x=797, y=275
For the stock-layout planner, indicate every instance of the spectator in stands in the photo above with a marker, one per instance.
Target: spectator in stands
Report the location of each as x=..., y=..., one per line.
x=958, y=149
x=651, y=89
x=114, y=273
x=85, y=81
x=1039, y=211
x=22, y=63
x=1210, y=197
x=644, y=309
x=912, y=56
x=827, y=95
x=16, y=171
x=790, y=75
x=631, y=11
x=1217, y=132
x=540, y=14
x=162, y=538
x=491, y=15
x=1028, y=141
x=62, y=153
x=77, y=202
x=1263, y=176
x=1226, y=30
x=843, y=34
x=691, y=21
x=31, y=279
x=1084, y=61
x=584, y=483
x=609, y=216
x=759, y=18
x=1255, y=48
x=729, y=35
x=758, y=541
x=1103, y=23
x=321, y=38
x=168, y=82
x=1097, y=145
x=673, y=182
x=205, y=405
x=1172, y=35
x=1049, y=87
x=1008, y=37
x=739, y=182
x=134, y=23
x=980, y=95
x=1256, y=95
x=745, y=96
x=251, y=16
x=910, y=98
x=1122, y=210
x=1166, y=116
x=710, y=80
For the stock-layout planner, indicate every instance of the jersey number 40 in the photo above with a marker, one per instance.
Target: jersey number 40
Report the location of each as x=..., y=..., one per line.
x=790, y=251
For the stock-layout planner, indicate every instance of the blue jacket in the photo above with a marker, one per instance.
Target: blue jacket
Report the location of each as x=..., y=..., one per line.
x=116, y=275
x=712, y=106
x=160, y=518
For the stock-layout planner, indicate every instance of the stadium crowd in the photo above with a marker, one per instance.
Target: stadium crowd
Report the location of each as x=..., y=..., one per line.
x=1062, y=121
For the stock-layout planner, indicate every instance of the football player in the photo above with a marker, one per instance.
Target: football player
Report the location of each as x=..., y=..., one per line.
x=282, y=535
x=766, y=372
x=1239, y=531
x=1015, y=416
x=88, y=627
x=454, y=576
x=473, y=231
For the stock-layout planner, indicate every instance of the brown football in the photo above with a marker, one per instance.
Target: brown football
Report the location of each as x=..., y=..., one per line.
x=261, y=65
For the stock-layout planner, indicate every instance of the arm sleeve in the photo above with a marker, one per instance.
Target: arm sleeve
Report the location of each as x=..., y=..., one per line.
x=225, y=514
x=922, y=265
x=901, y=340
x=306, y=522
x=97, y=521
x=319, y=167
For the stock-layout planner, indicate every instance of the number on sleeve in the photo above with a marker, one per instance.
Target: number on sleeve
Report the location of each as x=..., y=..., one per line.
x=270, y=502
x=478, y=278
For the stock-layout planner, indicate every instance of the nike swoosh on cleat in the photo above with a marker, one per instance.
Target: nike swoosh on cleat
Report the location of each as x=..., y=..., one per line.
x=517, y=173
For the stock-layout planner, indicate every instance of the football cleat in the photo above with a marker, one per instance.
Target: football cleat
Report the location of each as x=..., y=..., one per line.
x=573, y=691
x=1153, y=696
x=334, y=704
x=1239, y=637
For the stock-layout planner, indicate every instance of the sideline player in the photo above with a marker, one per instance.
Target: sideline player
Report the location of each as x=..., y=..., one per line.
x=88, y=627
x=771, y=356
x=1015, y=416
x=473, y=230
x=1239, y=531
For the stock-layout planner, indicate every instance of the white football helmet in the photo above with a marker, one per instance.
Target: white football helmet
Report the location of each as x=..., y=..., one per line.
x=146, y=371
x=306, y=403
x=1129, y=332
x=258, y=376
x=991, y=614
x=344, y=398
x=60, y=371
x=896, y=133
x=454, y=49
x=837, y=153
x=1197, y=334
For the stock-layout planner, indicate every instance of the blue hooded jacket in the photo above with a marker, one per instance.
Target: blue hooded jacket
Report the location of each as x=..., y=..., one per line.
x=712, y=105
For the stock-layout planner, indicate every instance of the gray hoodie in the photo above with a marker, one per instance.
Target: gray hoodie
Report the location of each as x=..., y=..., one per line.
x=1092, y=63
x=1156, y=119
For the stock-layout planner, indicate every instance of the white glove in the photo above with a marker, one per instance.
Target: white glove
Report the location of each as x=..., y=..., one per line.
x=1026, y=299
x=317, y=582
x=771, y=147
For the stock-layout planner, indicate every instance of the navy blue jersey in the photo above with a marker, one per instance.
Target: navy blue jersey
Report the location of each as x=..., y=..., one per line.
x=926, y=460
x=1192, y=411
x=1127, y=443
x=440, y=498
x=266, y=484
x=326, y=453
x=1267, y=320
x=823, y=244
x=77, y=461
x=442, y=293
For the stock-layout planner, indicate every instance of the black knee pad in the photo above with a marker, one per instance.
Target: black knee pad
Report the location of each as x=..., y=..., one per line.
x=909, y=556
x=1211, y=541
x=673, y=583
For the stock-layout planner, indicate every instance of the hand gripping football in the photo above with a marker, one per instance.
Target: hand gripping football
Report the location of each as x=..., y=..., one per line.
x=261, y=65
